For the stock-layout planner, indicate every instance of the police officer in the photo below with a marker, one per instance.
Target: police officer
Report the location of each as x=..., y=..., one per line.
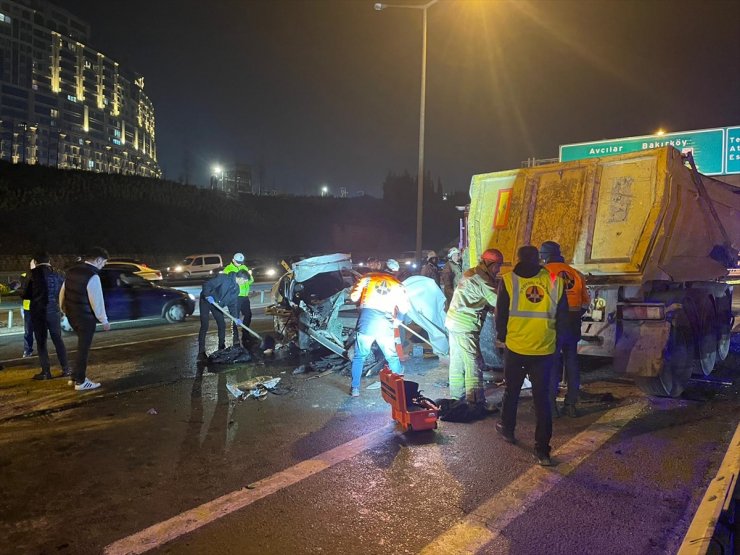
x=382, y=301
x=224, y=290
x=567, y=348
x=245, y=307
x=475, y=294
x=530, y=309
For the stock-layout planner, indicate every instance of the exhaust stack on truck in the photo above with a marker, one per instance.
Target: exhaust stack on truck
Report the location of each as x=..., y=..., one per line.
x=654, y=240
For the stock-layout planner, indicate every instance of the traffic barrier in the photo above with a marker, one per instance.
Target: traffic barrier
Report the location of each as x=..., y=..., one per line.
x=714, y=528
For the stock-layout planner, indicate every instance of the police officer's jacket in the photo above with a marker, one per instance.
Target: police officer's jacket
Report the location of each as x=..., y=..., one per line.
x=474, y=294
x=531, y=310
x=244, y=287
x=42, y=290
x=224, y=289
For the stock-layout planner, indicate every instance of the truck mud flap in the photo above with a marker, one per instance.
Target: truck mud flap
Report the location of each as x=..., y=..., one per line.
x=639, y=351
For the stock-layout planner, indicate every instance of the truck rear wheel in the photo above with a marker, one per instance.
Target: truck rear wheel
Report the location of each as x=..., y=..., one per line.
x=708, y=341
x=678, y=363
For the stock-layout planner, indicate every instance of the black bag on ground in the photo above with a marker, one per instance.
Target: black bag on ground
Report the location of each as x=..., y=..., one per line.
x=456, y=410
x=230, y=355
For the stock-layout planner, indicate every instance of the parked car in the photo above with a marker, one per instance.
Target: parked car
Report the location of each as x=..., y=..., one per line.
x=263, y=270
x=130, y=297
x=196, y=265
x=137, y=267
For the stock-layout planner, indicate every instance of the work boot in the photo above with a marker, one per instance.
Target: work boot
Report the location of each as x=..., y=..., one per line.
x=507, y=436
x=543, y=459
x=354, y=392
x=42, y=376
x=570, y=411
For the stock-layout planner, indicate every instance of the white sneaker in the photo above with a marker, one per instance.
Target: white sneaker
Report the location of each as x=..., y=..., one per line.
x=86, y=385
x=527, y=384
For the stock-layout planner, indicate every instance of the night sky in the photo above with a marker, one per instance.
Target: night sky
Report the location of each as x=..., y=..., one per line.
x=327, y=92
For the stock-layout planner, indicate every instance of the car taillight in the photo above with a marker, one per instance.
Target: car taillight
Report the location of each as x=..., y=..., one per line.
x=643, y=312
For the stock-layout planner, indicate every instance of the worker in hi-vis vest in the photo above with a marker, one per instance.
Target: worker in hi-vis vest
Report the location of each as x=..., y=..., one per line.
x=383, y=302
x=245, y=306
x=474, y=296
x=567, y=347
x=531, y=309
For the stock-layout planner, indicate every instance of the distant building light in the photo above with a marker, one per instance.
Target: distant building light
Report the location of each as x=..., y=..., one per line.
x=5, y=19
x=71, y=98
x=117, y=142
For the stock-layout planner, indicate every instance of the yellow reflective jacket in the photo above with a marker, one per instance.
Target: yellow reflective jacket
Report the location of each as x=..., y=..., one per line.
x=533, y=304
x=244, y=287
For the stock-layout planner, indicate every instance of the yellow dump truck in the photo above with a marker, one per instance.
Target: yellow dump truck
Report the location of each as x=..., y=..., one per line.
x=654, y=239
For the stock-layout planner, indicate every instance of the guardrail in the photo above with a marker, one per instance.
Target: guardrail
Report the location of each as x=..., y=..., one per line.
x=715, y=527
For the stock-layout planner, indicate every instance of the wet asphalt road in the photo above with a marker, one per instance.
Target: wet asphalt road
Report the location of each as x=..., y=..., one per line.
x=631, y=472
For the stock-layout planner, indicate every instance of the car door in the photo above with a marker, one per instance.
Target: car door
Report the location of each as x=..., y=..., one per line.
x=146, y=299
x=116, y=295
x=197, y=267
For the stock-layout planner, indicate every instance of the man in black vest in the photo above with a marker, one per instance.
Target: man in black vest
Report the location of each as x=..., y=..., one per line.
x=81, y=299
x=42, y=292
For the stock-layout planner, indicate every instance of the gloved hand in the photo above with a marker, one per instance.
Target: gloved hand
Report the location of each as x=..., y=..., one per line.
x=211, y=299
x=238, y=321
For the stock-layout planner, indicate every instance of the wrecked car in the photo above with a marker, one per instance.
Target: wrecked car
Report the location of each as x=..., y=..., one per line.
x=312, y=306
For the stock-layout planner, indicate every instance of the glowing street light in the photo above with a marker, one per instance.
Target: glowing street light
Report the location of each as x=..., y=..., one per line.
x=379, y=6
x=324, y=191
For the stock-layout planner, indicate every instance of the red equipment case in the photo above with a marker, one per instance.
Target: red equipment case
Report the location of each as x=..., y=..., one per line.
x=409, y=416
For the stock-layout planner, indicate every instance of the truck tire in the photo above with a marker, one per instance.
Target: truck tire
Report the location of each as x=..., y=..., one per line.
x=678, y=363
x=708, y=343
x=725, y=321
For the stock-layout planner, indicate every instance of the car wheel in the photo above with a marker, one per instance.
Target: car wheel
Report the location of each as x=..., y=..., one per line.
x=175, y=313
x=186, y=275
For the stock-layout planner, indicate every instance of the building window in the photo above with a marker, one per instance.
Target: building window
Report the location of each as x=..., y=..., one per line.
x=71, y=98
x=54, y=113
x=91, y=164
x=5, y=19
x=117, y=142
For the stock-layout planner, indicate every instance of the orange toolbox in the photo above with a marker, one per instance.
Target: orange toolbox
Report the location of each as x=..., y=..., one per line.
x=408, y=408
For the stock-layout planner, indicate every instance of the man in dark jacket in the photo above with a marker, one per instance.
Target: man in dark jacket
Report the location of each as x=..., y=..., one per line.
x=531, y=310
x=81, y=299
x=42, y=292
x=430, y=269
x=224, y=291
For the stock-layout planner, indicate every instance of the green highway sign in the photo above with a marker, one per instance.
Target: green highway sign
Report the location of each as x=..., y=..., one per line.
x=732, y=150
x=707, y=145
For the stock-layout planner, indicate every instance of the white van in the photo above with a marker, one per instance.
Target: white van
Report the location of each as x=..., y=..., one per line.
x=196, y=265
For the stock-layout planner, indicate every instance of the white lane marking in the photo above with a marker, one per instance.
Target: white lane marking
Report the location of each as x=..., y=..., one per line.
x=184, y=523
x=484, y=523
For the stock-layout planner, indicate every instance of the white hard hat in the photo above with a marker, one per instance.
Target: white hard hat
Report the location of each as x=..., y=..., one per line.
x=392, y=265
x=239, y=258
x=452, y=252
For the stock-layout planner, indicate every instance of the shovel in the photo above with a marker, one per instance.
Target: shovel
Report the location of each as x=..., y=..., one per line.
x=404, y=326
x=250, y=330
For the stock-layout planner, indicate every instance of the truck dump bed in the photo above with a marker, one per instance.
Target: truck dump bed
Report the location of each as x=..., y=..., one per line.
x=635, y=217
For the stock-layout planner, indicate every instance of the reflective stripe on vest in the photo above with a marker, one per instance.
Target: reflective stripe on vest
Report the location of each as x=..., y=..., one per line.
x=533, y=304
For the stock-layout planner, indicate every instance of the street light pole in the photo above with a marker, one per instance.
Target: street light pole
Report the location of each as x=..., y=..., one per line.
x=422, y=116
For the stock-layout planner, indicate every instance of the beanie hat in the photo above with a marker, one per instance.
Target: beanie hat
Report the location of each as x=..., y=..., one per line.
x=528, y=255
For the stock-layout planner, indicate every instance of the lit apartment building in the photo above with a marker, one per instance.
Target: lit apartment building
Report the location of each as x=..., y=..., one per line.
x=64, y=104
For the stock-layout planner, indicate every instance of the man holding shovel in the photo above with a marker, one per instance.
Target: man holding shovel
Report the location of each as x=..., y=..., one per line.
x=222, y=290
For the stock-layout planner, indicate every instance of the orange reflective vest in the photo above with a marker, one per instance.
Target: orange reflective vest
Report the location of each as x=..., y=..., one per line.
x=575, y=285
x=379, y=291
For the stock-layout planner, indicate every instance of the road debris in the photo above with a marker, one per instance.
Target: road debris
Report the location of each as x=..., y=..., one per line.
x=152, y=411
x=256, y=387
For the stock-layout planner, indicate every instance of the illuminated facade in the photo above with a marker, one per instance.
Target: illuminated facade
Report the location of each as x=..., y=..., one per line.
x=65, y=104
